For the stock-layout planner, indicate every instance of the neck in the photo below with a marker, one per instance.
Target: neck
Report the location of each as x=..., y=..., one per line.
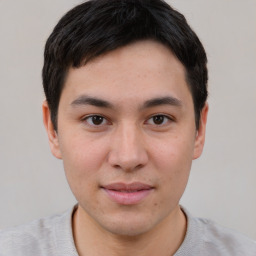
x=163, y=240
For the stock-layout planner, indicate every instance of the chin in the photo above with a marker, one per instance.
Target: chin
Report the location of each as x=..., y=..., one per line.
x=128, y=229
x=129, y=226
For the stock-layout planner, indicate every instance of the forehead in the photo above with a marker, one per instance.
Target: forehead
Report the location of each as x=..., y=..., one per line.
x=135, y=72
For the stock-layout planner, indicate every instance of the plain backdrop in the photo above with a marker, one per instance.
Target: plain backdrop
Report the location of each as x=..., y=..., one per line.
x=222, y=185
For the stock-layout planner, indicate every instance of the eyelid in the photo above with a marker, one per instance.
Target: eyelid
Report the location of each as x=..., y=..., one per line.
x=170, y=118
x=108, y=122
x=85, y=118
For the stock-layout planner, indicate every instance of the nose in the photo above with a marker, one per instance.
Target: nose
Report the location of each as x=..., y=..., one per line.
x=128, y=151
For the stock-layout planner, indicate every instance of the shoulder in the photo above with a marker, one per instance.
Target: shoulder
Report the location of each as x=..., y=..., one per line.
x=224, y=240
x=36, y=238
x=205, y=237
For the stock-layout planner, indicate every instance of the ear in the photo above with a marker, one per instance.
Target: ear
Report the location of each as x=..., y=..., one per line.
x=52, y=134
x=200, y=135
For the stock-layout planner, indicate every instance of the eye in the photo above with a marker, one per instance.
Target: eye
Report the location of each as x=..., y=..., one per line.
x=95, y=120
x=158, y=120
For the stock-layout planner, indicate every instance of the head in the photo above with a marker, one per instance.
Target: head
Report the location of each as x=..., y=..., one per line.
x=97, y=27
x=125, y=84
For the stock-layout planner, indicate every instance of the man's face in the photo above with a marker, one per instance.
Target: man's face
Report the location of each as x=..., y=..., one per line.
x=127, y=136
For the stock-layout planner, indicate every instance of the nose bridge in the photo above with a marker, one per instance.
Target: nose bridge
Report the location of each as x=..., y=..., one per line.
x=128, y=150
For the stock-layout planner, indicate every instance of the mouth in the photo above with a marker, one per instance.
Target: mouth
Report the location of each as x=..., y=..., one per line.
x=127, y=194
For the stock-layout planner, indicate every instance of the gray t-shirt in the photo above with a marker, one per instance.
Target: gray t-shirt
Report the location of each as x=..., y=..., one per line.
x=52, y=236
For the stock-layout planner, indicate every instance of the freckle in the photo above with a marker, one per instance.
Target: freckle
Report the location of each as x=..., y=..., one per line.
x=155, y=204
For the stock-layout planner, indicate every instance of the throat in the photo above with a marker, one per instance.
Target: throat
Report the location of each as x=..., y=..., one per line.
x=163, y=240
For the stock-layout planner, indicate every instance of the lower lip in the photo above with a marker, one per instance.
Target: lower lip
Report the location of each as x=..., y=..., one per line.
x=127, y=198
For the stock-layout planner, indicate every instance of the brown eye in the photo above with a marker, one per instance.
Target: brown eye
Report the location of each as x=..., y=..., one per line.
x=158, y=120
x=95, y=120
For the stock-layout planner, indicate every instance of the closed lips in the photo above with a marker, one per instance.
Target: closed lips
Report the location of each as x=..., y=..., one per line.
x=128, y=194
x=132, y=187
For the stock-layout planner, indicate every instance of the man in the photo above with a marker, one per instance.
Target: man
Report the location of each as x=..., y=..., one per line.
x=126, y=89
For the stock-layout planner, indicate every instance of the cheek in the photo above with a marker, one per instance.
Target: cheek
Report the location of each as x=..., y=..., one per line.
x=173, y=155
x=173, y=159
x=82, y=158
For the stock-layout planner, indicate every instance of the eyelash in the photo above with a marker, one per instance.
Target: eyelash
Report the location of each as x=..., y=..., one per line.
x=105, y=120
x=165, y=117
x=85, y=119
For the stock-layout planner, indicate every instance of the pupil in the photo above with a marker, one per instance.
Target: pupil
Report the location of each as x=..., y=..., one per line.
x=97, y=120
x=158, y=119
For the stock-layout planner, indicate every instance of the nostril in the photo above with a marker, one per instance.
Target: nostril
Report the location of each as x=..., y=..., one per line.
x=128, y=168
x=139, y=166
x=117, y=166
x=127, y=155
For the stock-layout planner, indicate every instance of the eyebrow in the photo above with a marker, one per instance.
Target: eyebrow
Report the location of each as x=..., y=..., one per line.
x=167, y=100
x=86, y=100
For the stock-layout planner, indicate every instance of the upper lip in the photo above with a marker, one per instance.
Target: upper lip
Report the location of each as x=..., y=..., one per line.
x=135, y=186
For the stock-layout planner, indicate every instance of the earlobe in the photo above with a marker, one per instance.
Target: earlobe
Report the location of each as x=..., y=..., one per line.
x=52, y=134
x=200, y=134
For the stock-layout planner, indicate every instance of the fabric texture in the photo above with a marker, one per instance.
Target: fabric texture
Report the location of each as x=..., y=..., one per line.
x=52, y=236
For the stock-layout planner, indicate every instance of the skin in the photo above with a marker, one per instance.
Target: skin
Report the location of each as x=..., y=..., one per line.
x=129, y=145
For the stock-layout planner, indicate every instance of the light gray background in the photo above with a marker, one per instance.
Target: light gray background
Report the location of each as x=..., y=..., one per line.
x=223, y=181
